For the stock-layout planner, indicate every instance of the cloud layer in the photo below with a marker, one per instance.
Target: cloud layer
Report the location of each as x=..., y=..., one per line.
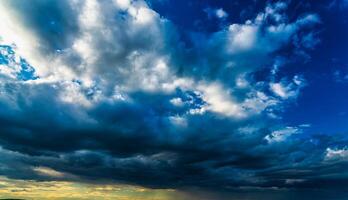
x=108, y=91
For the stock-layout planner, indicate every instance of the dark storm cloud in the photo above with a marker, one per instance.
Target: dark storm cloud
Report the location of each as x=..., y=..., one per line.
x=124, y=101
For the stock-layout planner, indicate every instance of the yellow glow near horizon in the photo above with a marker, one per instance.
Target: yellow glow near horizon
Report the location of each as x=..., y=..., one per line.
x=63, y=190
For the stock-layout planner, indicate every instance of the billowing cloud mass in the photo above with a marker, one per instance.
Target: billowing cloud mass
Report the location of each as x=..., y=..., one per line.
x=109, y=91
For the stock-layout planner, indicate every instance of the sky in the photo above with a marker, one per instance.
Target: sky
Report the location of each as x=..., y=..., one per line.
x=184, y=99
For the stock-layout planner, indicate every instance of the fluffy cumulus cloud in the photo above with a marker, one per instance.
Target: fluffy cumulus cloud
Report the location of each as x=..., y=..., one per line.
x=108, y=90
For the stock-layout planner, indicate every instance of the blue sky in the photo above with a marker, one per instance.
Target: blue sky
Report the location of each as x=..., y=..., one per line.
x=224, y=97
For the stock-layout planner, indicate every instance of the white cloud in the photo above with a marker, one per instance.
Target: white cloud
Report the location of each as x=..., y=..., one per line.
x=131, y=52
x=125, y=46
x=219, y=100
x=280, y=90
x=8, y=72
x=71, y=93
x=220, y=13
x=101, y=40
x=177, y=101
x=145, y=15
x=336, y=154
x=123, y=4
x=242, y=37
x=287, y=90
x=257, y=102
x=282, y=134
x=216, y=12
x=91, y=16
